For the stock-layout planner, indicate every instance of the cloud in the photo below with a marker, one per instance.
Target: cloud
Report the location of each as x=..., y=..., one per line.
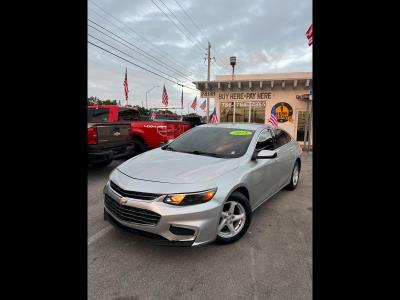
x=265, y=35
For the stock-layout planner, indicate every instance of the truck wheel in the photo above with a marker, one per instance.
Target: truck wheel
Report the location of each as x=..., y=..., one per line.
x=140, y=147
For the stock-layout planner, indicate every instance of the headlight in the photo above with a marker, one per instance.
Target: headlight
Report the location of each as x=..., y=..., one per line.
x=190, y=198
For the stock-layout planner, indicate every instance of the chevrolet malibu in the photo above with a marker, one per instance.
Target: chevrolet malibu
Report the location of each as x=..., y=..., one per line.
x=204, y=185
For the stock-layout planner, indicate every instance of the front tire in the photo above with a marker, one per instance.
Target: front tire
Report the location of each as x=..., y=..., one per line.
x=235, y=219
x=294, y=180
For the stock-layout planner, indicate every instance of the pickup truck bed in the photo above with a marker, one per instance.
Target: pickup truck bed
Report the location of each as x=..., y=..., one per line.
x=107, y=141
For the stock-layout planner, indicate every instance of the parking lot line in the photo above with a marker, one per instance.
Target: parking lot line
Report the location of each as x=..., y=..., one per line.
x=99, y=234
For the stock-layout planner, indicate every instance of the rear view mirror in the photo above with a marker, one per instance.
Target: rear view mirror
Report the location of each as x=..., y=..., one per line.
x=265, y=154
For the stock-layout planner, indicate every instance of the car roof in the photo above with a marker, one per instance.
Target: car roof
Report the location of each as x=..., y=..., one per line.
x=248, y=126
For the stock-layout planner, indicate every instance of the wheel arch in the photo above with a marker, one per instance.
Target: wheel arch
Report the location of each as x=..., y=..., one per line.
x=136, y=136
x=241, y=189
x=299, y=161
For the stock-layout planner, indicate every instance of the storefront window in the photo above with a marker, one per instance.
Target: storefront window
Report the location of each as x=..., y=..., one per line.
x=242, y=110
x=226, y=112
x=258, y=112
x=301, y=122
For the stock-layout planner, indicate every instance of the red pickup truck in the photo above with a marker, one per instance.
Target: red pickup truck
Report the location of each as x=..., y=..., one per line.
x=145, y=134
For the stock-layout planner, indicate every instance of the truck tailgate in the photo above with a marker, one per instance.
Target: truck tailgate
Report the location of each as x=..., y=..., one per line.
x=112, y=134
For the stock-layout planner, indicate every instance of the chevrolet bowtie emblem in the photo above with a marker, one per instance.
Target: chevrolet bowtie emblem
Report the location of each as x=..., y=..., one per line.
x=121, y=200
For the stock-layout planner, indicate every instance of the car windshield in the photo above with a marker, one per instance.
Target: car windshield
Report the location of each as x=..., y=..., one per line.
x=213, y=141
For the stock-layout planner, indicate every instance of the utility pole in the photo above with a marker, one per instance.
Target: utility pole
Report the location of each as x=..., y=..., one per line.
x=208, y=79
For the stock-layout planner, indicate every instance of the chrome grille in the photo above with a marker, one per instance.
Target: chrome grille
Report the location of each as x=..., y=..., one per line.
x=131, y=214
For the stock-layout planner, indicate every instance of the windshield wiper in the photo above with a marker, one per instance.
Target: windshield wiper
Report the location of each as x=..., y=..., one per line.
x=204, y=153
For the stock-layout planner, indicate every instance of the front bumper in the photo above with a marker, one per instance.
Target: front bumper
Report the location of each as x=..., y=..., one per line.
x=189, y=225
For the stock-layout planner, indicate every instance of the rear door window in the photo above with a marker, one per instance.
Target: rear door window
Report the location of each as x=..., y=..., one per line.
x=128, y=115
x=97, y=115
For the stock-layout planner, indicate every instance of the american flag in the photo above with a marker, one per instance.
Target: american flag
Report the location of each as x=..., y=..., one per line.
x=309, y=35
x=182, y=99
x=203, y=105
x=164, y=97
x=272, y=119
x=194, y=104
x=126, y=85
x=214, y=119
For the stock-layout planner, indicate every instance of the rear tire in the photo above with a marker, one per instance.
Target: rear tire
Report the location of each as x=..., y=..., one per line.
x=294, y=180
x=140, y=146
x=235, y=221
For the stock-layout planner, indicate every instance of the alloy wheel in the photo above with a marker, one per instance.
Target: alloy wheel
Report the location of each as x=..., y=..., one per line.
x=295, y=175
x=232, y=220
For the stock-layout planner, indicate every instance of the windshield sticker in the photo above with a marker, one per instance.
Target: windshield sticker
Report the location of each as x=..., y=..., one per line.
x=240, y=132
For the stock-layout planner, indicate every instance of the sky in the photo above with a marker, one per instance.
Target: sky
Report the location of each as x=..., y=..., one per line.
x=266, y=36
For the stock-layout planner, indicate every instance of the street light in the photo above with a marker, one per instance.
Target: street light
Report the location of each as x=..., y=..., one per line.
x=148, y=92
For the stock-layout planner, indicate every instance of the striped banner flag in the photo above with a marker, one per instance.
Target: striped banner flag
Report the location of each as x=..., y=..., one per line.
x=214, y=119
x=126, y=85
x=164, y=97
x=309, y=35
x=203, y=105
x=272, y=119
x=194, y=104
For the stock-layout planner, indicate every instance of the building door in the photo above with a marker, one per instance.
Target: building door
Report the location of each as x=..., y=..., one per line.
x=301, y=123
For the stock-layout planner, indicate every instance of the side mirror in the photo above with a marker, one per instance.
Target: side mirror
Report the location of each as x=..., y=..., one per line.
x=265, y=154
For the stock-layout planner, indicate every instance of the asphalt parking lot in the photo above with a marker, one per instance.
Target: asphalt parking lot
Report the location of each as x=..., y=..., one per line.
x=272, y=261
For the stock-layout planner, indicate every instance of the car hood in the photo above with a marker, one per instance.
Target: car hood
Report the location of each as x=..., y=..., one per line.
x=175, y=167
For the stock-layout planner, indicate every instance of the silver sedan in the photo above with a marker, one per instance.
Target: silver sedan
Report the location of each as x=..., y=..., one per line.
x=204, y=185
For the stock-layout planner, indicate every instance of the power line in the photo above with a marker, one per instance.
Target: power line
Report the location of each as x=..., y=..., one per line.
x=145, y=54
x=190, y=18
x=182, y=85
x=201, y=32
x=161, y=52
x=131, y=49
x=201, y=49
x=183, y=25
x=132, y=57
